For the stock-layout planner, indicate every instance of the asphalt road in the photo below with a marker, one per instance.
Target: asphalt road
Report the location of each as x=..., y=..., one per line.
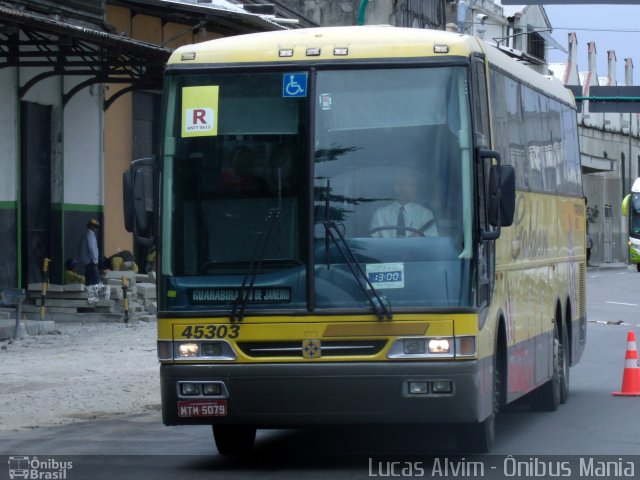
x=592, y=423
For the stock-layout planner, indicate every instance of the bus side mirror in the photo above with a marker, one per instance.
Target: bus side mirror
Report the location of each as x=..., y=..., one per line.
x=502, y=195
x=507, y=195
x=138, y=200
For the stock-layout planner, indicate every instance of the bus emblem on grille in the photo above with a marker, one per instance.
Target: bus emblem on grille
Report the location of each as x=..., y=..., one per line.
x=311, y=349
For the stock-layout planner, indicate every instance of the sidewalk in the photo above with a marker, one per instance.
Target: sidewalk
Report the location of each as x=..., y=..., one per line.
x=77, y=372
x=610, y=266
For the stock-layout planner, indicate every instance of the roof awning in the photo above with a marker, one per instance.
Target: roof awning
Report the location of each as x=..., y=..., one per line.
x=550, y=40
x=30, y=39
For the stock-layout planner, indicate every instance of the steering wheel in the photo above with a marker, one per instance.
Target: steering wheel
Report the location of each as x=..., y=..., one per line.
x=418, y=232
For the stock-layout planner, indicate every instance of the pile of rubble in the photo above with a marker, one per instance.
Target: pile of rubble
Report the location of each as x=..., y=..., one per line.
x=69, y=303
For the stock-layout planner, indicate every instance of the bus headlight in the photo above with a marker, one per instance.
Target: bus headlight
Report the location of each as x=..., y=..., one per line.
x=213, y=350
x=188, y=350
x=439, y=345
x=210, y=349
x=413, y=346
x=434, y=347
x=421, y=347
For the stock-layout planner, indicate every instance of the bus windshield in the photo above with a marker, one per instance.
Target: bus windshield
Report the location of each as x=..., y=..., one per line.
x=236, y=190
x=391, y=172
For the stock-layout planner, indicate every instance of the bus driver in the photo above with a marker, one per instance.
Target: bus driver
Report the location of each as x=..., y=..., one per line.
x=404, y=217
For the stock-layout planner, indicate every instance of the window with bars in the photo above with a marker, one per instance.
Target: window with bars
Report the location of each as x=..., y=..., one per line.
x=535, y=45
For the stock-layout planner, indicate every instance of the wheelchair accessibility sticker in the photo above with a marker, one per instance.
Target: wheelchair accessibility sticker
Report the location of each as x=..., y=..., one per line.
x=294, y=85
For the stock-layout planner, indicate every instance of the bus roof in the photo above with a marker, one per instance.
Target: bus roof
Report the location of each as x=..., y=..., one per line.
x=545, y=83
x=361, y=43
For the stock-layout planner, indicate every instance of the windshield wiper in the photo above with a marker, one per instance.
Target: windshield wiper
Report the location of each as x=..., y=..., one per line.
x=380, y=304
x=240, y=303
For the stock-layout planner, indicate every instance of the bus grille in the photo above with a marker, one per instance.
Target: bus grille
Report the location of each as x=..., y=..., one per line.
x=332, y=348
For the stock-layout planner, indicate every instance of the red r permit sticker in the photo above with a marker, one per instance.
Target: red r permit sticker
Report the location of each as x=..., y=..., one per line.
x=202, y=408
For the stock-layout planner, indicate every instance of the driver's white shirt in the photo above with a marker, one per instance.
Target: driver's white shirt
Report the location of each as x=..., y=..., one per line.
x=415, y=216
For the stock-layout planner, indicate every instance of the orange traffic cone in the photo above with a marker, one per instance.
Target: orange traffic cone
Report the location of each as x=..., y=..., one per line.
x=631, y=375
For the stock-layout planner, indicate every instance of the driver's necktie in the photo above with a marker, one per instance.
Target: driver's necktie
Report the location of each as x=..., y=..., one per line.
x=400, y=231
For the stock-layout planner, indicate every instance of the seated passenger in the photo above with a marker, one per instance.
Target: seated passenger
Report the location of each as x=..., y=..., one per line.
x=404, y=217
x=70, y=275
x=241, y=177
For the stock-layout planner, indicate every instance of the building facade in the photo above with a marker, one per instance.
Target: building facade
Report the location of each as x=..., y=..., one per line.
x=79, y=87
x=610, y=152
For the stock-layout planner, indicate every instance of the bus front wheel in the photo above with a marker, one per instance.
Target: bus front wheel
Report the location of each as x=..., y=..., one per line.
x=234, y=439
x=479, y=437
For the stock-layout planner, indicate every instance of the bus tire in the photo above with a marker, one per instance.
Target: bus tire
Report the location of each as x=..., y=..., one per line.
x=479, y=437
x=638, y=267
x=234, y=439
x=563, y=353
x=547, y=396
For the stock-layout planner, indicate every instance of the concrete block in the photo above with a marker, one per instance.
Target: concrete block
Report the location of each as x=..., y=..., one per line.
x=37, y=287
x=103, y=302
x=131, y=276
x=63, y=295
x=38, y=327
x=26, y=327
x=147, y=290
x=131, y=289
x=74, y=287
x=62, y=302
x=80, y=317
x=35, y=309
x=152, y=307
x=116, y=292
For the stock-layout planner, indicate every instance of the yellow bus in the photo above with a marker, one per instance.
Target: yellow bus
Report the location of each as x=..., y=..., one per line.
x=364, y=225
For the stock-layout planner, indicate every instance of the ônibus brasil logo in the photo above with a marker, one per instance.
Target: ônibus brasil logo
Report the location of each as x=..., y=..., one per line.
x=38, y=469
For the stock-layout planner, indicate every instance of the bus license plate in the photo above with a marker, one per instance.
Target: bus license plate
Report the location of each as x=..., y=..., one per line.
x=202, y=408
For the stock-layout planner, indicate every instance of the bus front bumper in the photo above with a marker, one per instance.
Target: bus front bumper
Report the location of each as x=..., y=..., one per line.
x=294, y=395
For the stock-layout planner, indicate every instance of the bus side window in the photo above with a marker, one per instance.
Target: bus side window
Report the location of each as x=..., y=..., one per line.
x=480, y=106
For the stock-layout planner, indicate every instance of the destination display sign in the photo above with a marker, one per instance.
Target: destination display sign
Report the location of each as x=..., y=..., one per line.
x=225, y=295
